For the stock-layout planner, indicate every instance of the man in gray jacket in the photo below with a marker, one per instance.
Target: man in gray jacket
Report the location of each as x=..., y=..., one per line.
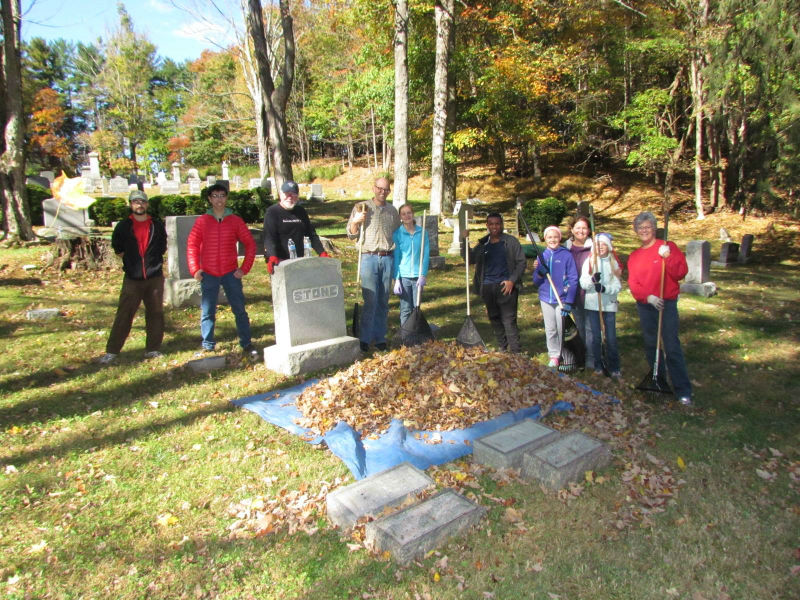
x=499, y=266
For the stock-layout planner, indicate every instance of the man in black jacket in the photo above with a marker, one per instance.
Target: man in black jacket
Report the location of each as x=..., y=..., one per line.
x=499, y=266
x=141, y=242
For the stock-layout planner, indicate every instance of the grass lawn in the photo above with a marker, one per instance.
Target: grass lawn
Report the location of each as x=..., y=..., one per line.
x=133, y=480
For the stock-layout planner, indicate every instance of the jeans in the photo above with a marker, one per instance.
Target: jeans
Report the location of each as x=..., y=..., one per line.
x=233, y=290
x=676, y=364
x=502, y=312
x=133, y=292
x=579, y=316
x=376, y=283
x=408, y=297
x=612, y=353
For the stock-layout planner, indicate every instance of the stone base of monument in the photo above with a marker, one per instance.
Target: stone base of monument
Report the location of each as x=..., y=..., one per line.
x=707, y=289
x=565, y=460
x=412, y=532
x=42, y=314
x=436, y=262
x=504, y=449
x=305, y=358
x=370, y=496
x=186, y=292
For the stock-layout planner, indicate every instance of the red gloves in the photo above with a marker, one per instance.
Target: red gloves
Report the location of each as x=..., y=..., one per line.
x=324, y=255
x=271, y=262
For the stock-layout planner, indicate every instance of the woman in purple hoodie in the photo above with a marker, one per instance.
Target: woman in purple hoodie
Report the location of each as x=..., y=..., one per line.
x=558, y=262
x=580, y=245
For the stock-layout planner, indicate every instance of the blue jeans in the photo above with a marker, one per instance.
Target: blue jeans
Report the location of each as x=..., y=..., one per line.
x=376, y=283
x=612, y=353
x=208, y=305
x=408, y=297
x=676, y=364
x=579, y=316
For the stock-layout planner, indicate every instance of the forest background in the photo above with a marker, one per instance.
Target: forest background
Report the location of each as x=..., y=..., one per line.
x=709, y=88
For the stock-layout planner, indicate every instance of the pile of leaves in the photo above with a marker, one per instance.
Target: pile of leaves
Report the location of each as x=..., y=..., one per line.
x=436, y=386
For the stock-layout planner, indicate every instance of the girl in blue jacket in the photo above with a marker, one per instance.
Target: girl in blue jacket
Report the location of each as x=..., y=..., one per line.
x=558, y=262
x=408, y=278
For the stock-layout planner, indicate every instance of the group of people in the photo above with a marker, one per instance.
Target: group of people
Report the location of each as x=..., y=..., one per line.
x=581, y=278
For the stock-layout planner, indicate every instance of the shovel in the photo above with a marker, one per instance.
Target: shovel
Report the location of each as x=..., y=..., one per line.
x=603, y=348
x=469, y=336
x=416, y=330
x=356, y=315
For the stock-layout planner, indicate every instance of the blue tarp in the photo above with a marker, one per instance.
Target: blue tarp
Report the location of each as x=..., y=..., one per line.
x=398, y=444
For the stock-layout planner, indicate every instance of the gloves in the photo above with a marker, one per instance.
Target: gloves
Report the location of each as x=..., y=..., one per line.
x=566, y=309
x=596, y=278
x=398, y=287
x=324, y=254
x=663, y=251
x=599, y=287
x=542, y=270
x=271, y=262
x=655, y=301
x=421, y=281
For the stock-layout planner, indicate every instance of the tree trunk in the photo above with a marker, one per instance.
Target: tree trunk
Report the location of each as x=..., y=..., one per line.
x=374, y=138
x=350, y=151
x=450, y=166
x=697, y=99
x=400, y=103
x=275, y=98
x=444, y=23
x=17, y=221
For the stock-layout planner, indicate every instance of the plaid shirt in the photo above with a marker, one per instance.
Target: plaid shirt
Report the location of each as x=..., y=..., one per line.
x=380, y=224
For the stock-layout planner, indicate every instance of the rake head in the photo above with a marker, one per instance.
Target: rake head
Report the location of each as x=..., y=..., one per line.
x=654, y=388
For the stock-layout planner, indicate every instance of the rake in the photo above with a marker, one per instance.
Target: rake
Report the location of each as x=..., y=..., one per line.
x=603, y=348
x=416, y=330
x=469, y=336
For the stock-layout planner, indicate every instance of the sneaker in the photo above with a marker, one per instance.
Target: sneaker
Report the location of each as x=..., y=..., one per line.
x=685, y=401
x=251, y=353
x=553, y=363
x=364, y=346
x=616, y=375
x=203, y=352
x=153, y=354
x=381, y=346
x=598, y=371
x=107, y=358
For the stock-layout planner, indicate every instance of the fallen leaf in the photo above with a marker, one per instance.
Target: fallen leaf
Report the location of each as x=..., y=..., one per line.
x=681, y=464
x=166, y=520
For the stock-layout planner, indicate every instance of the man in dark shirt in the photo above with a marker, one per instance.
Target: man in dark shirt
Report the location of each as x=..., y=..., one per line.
x=499, y=266
x=286, y=221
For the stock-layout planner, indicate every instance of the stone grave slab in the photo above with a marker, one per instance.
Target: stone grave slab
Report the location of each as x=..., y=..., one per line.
x=204, y=365
x=370, y=496
x=61, y=217
x=180, y=288
x=706, y=289
x=728, y=255
x=211, y=180
x=37, y=180
x=314, y=356
x=170, y=187
x=237, y=181
x=745, y=248
x=698, y=259
x=565, y=460
x=118, y=185
x=42, y=314
x=194, y=187
x=315, y=192
x=254, y=182
x=412, y=532
x=505, y=448
x=49, y=175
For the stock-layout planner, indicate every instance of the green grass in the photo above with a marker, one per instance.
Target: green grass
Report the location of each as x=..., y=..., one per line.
x=93, y=457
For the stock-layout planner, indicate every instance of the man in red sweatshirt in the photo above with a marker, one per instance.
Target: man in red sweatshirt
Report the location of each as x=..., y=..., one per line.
x=141, y=242
x=644, y=278
x=213, y=261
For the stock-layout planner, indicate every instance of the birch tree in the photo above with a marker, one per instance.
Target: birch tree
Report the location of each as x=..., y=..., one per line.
x=444, y=24
x=400, y=103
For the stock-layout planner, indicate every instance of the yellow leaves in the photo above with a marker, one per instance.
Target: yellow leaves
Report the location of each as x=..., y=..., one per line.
x=166, y=520
x=681, y=464
x=436, y=577
x=37, y=548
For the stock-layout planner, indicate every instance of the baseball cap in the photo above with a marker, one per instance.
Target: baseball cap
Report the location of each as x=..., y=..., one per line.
x=290, y=187
x=137, y=195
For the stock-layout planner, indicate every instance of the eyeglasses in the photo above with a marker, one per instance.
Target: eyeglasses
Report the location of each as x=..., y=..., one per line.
x=139, y=201
x=382, y=189
x=644, y=228
x=217, y=195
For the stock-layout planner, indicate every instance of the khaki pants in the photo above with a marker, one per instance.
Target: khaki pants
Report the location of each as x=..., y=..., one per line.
x=133, y=293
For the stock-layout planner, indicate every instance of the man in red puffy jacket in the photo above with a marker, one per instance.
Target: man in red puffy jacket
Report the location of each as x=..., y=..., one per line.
x=213, y=261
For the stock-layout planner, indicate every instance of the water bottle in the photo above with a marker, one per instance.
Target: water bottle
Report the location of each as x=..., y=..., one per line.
x=306, y=246
x=292, y=249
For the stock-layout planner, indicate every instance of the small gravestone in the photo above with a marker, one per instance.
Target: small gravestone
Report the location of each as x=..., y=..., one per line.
x=745, y=248
x=193, y=174
x=49, y=175
x=254, y=183
x=728, y=255
x=62, y=218
x=194, y=186
x=459, y=225
x=204, y=365
x=36, y=180
x=211, y=180
x=161, y=178
x=724, y=235
x=42, y=314
x=237, y=181
x=370, y=496
x=414, y=531
x=176, y=171
x=94, y=164
x=118, y=185
x=310, y=329
x=698, y=259
x=565, y=460
x=170, y=187
x=431, y=226
x=505, y=448
x=315, y=192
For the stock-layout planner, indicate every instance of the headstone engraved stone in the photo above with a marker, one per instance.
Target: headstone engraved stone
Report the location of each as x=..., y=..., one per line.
x=308, y=305
x=62, y=218
x=414, y=531
x=237, y=181
x=505, y=448
x=194, y=186
x=370, y=496
x=37, y=180
x=431, y=226
x=254, y=183
x=49, y=175
x=565, y=460
x=94, y=165
x=42, y=314
x=118, y=185
x=211, y=180
x=176, y=171
x=315, y=192
x=698, y=259
x=745, y=248
x=459, y=225
x=161, y=177
x=170, y=187
x=724, y=235
x=193, y=174
x=728, y=255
